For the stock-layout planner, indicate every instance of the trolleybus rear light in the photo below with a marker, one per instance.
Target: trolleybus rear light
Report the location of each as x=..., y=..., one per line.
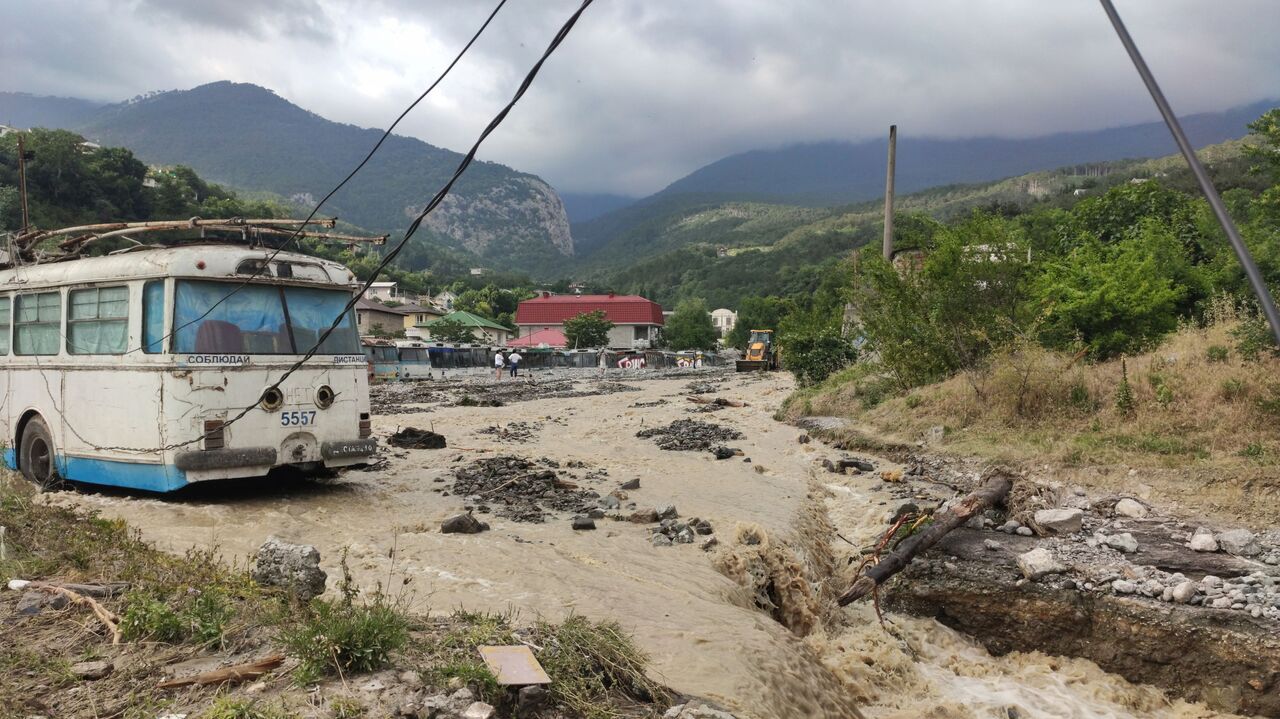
x=324, y=397
x=214, y=437
x=272, y=399
x=366, y=427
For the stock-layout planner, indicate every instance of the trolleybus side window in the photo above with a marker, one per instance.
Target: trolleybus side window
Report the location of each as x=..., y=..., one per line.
x=311, y=311
x=215, y=317
x=98, y=320
x=153, y=317
x=4, y=325
x=37, y=324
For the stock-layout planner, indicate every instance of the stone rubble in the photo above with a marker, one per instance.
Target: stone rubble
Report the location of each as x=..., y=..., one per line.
x=690, y=435
x=295, y=567
x=523, y=490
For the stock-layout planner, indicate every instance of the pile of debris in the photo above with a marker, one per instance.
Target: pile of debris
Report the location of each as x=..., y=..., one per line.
x=690, y=435
x=655, y=403
x=701, y=387
x=394, y=397
x=414, y=438
x=524, y=490
x=513, y=431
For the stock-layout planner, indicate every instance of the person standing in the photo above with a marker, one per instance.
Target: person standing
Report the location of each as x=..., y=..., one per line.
x=514, y=360
x=498, y=364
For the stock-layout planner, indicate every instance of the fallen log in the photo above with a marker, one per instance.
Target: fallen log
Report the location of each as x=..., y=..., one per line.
x=698, y=399
x=998, y=483
x=104, y=615
x=234, y=673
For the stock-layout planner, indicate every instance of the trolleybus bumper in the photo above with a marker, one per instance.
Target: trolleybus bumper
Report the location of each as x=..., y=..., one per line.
x=228, y=458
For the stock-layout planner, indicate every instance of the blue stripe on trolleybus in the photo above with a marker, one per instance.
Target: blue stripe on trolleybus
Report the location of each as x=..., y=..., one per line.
x=131, y=475
x=10, y=458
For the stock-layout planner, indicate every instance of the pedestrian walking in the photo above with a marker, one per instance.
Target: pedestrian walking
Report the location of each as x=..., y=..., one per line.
x=498, y=364
x=604, y=363
x=513, y=359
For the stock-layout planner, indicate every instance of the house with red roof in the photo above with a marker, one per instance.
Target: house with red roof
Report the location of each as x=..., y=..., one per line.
x=636, y=320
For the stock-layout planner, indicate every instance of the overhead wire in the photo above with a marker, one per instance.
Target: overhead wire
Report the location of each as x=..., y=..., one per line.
x=435, y=201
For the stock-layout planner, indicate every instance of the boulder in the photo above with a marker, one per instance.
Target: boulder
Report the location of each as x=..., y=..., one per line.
x=1203, y=541
x=582, y=523
x=295, y=567
x=479, y=710
x=1038, y=563
x=1184, y=592
x=1240, y=542
x=667, y=511
x=644, y=516
x=462, y=524
x=1131, y=508
x=630, y=485
x=1060, y=521
x=1122, y=542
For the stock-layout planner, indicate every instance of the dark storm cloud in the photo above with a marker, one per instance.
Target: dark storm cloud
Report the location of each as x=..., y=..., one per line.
x=644, y=91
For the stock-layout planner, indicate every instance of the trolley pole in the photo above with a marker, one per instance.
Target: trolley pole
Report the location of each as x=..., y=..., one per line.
x=888, y=194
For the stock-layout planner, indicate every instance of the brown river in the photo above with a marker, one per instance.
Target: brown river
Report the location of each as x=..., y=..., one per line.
x=700, y=627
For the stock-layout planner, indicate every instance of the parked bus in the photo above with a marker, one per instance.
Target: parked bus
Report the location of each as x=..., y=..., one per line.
x=383, y=359
x=113, y=366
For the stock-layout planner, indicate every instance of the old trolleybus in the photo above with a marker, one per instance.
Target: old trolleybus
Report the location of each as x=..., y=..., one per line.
x=114, y=364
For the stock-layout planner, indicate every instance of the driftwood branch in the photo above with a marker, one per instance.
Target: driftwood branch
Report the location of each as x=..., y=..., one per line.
x=998, y=483
x=104, y=615
x=235, y=673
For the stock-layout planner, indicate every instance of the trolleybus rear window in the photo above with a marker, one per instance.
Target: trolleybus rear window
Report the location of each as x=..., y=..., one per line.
x=38, y=324
x=212, y=317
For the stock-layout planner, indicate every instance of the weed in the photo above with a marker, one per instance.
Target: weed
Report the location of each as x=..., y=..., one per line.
x=346, y=707
x=1270, y=403
x=1124, y=393
x=1217, y=353
x=1253, y=337
x=912, y=401
x=587, y=662
x=1079, y=398
x=1232, y=389
x=341, y=636
x=1164, y=395
x=1253, y=451
x=207, y=616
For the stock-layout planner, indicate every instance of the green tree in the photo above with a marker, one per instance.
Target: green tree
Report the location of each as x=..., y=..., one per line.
x=1266, y=156
x=1116, y=298
x=588, y=329
x=756, y=313
x=451, y=331
x=690, y=327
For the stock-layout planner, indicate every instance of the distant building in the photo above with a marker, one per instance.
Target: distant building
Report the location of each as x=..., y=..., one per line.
x=418, y=314
x=5, y=130
x=445, y=300
x=636, y=321
x=483, y=331
x=477, y=271
x=383, y=291
x=724, y=320
x=376, y=318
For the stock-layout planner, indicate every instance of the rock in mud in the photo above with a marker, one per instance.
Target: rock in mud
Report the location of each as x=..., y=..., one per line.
x=709, y=544
x=644, y=516
x=1060, y=521
x=661, y=540
x=1240, y=542
x=724, y=452
x=667, y=511
x=583, y=523
x=414, y=438
x=992, y=545
x=92, y=670
x=462, y=524
x=295, y=567
x=1038, y=563
x=630, y=485
x=34, y=602
x=524, y=490
x=1184, y=592
x=531, y=698
x=1131, y=508
x=479, y=710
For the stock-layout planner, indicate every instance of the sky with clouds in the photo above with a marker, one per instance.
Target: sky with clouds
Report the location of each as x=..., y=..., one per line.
x=645, y=91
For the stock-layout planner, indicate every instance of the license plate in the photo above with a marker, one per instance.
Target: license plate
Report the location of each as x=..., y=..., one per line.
x=298, y=418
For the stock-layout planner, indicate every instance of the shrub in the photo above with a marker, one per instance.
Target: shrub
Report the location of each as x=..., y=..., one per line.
x=587, y=662
x=1232, y=388
x=146, y=617
x=1253, y=451
x=1253, y=337
x=1217, y=353
x=1079, y=398
x=812, y=354
x=342, y=637
x=912, y=401
x=229, y=707
x=1269, y=404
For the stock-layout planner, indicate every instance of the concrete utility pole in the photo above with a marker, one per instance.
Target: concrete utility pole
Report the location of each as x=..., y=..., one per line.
x=888, y=194
x=22, y=182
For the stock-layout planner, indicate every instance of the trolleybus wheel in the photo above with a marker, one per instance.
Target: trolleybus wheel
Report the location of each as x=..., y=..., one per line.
x=36, y=457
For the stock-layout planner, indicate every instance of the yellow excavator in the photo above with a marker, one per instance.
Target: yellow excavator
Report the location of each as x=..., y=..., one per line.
x=761, y=356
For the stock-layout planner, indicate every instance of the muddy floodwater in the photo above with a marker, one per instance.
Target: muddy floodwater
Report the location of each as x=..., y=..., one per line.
x=703, y=630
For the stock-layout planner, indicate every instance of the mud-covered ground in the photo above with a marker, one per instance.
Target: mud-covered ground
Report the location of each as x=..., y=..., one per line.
x=751, y=622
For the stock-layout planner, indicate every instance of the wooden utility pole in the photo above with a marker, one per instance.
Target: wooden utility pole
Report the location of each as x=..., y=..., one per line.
x=888, y=194
x=22, y=184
